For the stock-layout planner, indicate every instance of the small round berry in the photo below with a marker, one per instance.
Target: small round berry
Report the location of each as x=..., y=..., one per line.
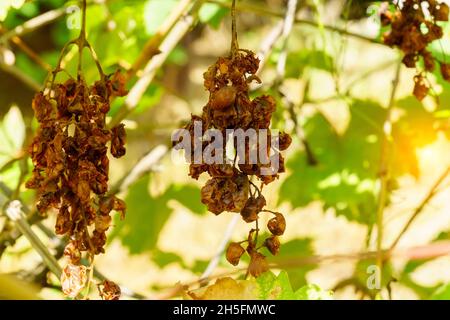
x=234, y=253
x=277, y=225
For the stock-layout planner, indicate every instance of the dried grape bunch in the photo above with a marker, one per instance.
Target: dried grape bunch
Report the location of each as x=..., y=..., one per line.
x=230, y=187
x=70, y=158
x=413, y=27
x=71, y=165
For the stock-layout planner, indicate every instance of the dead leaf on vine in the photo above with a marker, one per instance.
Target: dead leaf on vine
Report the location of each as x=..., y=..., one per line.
x=226, y=289
x=73, y=279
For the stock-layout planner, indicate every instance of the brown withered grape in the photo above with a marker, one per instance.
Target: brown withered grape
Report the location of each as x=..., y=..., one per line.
x=234, y=253
x=273, y=245
x=412, y=30
x=252, y=207
x=108, y=290
x=277, y=225
x=258, y=264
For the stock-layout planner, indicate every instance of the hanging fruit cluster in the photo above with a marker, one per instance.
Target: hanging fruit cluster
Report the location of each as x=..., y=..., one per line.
x=412, y=29
x=70, y=160
x=230, y=187
x=70, y=157
x=71, y=165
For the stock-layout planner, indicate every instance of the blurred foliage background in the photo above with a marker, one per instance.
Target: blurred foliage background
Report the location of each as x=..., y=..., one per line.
x=333, y=97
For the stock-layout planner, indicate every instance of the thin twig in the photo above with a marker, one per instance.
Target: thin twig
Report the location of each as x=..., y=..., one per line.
x=169, y=43
x=384, y=171
x=144, y=165
x=17, y=73
x=437, y=249
x=268, y=43
x=34, y=23
x=30, y=53
x=213, y=263
x=151, y=48
x=257, y=9
x=14, y=212
x=431, y=193
x=287, y=28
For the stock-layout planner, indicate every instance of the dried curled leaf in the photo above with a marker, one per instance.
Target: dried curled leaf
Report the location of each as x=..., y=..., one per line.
x=109, y=290
x=227, y=289
x=73, y=279
x=258, y=264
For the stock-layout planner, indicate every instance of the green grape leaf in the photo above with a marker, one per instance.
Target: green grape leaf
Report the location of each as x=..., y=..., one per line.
x=163, y=259
x=296, y=249
x=146, y=216
x=441, y=293
x=212, y=14
x=156, y=12
x=344, y=178
x=298, y=60
x=188, y=196
x=6, y=5
x=272, y=287
x=313, y=292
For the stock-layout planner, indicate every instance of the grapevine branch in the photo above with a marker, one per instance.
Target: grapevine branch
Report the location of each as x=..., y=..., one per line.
x=281, y=66
x=384, y=171
x=151, y=48
x=257, y=9
x=34, y=23
x=144, y=165
x=434, y=250
x=15, y=214
x=23, y=77
x=287, y=28
x=431, y=193
x=222, y=246
x=30, y=53
x=170, y=41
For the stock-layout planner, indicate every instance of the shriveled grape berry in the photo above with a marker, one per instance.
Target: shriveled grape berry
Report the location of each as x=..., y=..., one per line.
x=109, y=290
x=234, y=253
x=277, y=225
x=258, y=264
x=223, y=98
x=252, y=207
x=273, y=245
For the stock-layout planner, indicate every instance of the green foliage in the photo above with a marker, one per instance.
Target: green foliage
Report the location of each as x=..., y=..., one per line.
x=6, y=5
x=296, y=249
x=344, y=177
x=156, y=12
x=12, y=135
x=147, y=215
x=212, y=14
x=442, y=293
x=272, y=287
x=297, y=61
x=145, y=219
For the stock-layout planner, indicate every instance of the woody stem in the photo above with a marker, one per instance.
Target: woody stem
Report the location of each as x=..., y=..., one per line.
x=234, y=40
